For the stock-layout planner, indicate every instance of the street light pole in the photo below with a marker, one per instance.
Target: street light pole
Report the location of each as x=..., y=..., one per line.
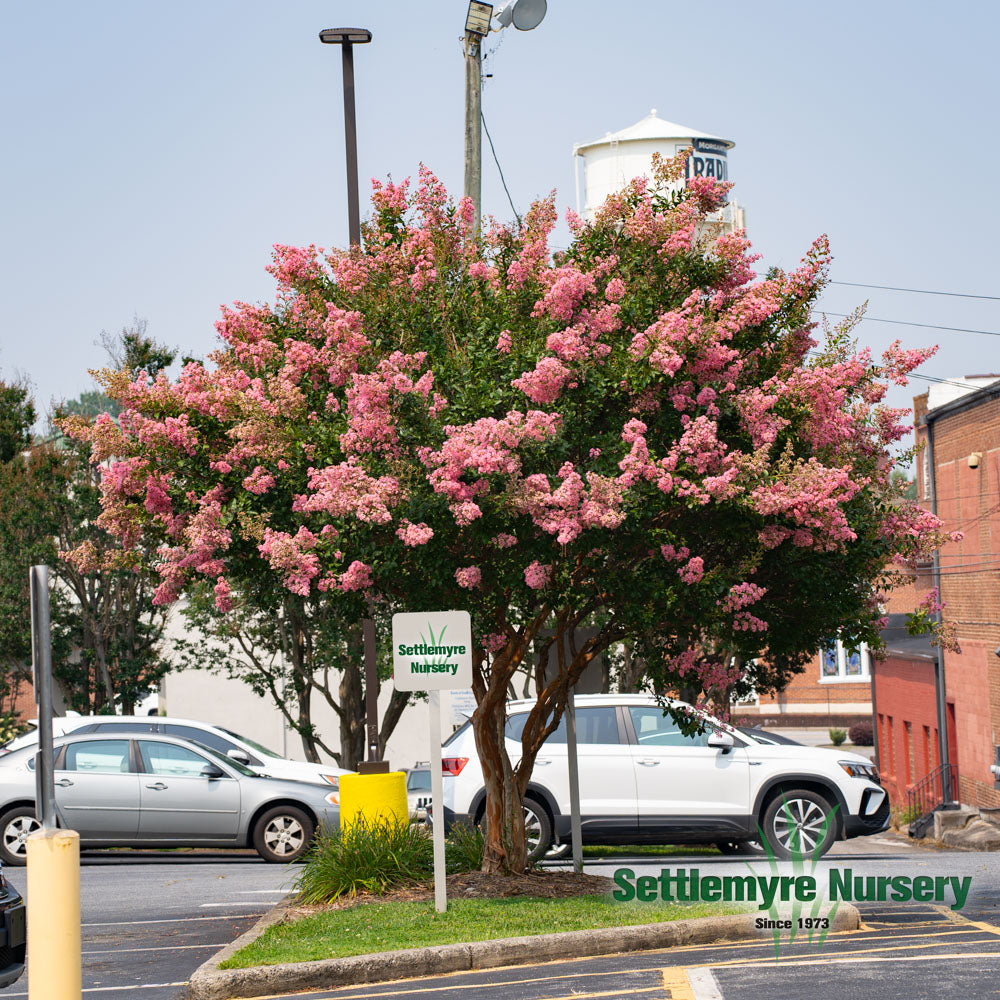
x=347, y=38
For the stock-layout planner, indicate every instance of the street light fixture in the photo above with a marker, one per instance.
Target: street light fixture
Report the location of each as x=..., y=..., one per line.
x=347, y=38
x=523, y=14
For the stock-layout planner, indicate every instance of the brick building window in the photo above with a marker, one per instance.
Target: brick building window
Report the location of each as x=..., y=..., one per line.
x=837, y=663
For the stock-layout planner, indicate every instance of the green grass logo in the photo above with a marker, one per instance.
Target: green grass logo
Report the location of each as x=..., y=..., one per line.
x=435, y=641
x=800, y=859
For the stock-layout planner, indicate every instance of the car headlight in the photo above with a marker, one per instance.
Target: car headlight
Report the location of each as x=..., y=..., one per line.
x=869, y=771
x=334, y=779
x=332, y=799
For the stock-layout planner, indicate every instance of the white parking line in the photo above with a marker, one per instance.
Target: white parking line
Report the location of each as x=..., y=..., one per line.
x=108, y=989
x=172, y=947
x=704, y=985
x=167, y=920
x=235, y=902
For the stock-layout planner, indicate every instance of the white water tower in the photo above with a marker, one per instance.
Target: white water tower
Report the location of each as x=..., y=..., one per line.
x=610, y=163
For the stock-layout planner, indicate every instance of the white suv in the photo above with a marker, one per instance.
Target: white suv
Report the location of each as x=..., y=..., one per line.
x=643, y=780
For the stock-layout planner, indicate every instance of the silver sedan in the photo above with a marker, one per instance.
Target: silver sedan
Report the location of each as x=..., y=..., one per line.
x=161, y=791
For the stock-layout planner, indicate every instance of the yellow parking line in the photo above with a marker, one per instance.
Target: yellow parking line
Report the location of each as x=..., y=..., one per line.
x=847, y=956
x=675, y=979
x=957, y=918
x=826, y=960
x=392, y=991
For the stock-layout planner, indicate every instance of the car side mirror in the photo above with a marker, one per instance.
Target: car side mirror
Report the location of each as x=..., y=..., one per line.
x=212, y=771
x=240, y=756
x=721, y=741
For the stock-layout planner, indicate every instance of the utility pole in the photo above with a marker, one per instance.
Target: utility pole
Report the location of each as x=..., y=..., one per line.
x=523, y=15
x=473, y=121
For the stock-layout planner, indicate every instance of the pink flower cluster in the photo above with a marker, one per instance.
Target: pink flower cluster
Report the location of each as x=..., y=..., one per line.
x=346, y=490
x=573, y=506
x=545, y=383
x=292, y=556
x=468, y=577
x=537, y=576
x=412, y=535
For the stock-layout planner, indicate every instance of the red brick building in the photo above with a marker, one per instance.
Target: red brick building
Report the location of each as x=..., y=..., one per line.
x=958, y=471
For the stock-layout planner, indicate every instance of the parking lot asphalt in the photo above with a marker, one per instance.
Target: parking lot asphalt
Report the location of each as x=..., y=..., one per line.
x=151, y=918
x=902, y=952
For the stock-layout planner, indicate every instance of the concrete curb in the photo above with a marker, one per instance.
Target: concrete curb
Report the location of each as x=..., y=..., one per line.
x=209, y=982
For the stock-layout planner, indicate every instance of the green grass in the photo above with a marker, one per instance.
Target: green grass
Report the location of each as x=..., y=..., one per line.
x=626, y=850
x=373, y=927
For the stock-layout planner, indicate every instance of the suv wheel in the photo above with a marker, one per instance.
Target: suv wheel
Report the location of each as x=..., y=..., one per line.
x=15, y=827
x=537, y=830
x=799, y=823
x=283, y=833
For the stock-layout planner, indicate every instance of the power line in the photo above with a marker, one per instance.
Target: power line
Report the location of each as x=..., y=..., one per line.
x=918, y=291
x=499, y=168
x=926, y=326
x=926, y=378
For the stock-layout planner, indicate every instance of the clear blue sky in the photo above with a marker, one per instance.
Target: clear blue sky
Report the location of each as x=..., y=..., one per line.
x=154, y=153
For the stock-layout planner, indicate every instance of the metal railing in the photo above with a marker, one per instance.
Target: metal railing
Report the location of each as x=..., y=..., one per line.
x=934, y=790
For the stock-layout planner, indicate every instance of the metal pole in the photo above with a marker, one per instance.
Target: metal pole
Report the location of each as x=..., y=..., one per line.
x=473, y=123
x=41, y=657
x=939, y=680
x=437, y=802
x=351, y=136
x=371, y=689
x=574, y=784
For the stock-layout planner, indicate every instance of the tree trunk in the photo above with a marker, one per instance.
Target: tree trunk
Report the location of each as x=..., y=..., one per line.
x=393, y=712
x=352, y=718
x=303, y=695
x=504, y=850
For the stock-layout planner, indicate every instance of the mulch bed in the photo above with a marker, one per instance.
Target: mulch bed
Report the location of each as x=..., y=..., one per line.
x=476, y=885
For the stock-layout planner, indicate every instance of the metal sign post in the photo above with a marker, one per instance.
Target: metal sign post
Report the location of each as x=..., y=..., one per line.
x=589, y=682
x=574, y=784
x=41, y=661
x=432, y=651
x=437, y=800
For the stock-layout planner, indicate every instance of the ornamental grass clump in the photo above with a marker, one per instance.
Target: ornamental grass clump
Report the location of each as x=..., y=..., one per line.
x=365, y=857
x=379, y=856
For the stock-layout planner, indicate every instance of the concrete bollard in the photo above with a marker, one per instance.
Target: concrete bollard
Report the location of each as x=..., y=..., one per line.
x=373, y=798
x=53, y=904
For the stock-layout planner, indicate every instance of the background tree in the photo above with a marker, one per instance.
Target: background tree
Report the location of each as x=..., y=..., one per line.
x=32, y=477
x=295, y=651
x=633, y=434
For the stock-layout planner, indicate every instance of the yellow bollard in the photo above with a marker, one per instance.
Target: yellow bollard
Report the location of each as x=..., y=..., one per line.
x=53, y=903
x=373, y=798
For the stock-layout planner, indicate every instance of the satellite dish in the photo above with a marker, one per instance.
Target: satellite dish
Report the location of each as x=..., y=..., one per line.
x=527, y=14
x=505, y=16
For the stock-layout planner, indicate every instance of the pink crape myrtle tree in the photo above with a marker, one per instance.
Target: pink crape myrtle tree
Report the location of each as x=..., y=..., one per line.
x=636, y=432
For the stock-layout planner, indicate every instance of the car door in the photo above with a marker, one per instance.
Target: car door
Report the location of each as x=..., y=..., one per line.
x=97, y=789
x=681, y=782
x=177, y=802
x=606, y=775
